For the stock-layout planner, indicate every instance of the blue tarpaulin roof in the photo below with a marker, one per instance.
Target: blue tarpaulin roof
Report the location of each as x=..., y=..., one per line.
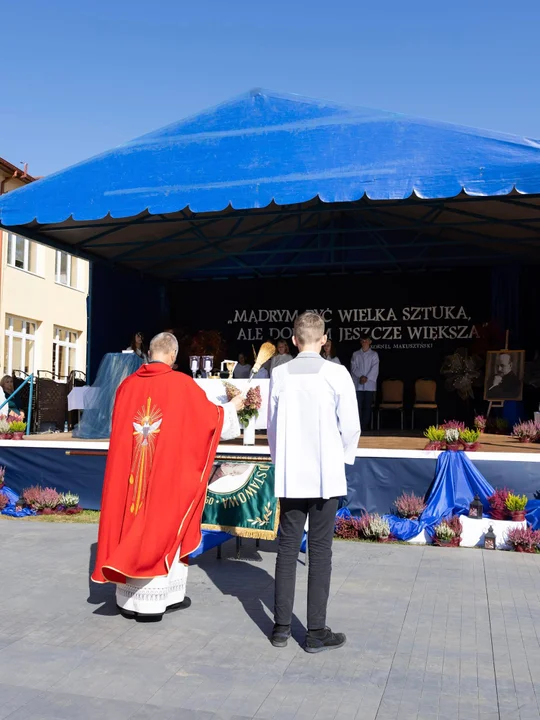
x=264, y=147
x=257, y=151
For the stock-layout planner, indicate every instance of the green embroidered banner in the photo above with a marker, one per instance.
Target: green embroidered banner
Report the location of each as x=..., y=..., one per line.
x=240, y=500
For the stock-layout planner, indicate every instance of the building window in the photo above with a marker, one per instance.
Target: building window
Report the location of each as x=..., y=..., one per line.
x=64, y=352
x=20, y=345
x=66, y=269
x=22, y=253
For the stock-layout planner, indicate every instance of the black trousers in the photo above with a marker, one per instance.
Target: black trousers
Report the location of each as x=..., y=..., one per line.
x=322, y=515
x=365, y=402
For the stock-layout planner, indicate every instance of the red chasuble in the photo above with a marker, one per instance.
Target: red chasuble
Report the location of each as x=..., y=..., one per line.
x=164, y=437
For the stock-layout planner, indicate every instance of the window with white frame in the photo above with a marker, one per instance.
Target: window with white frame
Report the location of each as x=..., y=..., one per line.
x=20, y=344
x=22, y=253
x=66, y=269
x=64, y=351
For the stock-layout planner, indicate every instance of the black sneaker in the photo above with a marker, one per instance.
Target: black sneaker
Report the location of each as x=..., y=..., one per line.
x=321, y=640
x=280, y=635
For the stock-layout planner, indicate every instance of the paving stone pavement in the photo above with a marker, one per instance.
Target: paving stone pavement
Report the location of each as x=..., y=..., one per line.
x=433, y=634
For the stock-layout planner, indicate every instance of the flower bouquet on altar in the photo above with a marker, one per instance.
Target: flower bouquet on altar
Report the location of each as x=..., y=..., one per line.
x=252, y=403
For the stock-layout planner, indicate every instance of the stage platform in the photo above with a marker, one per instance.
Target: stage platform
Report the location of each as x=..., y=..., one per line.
x=386, y=465
x=369, y=441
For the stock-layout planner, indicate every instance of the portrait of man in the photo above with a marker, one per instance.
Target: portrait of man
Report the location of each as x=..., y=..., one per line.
x=504, y=375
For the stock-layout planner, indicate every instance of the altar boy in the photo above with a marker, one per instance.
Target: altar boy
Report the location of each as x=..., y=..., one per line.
x=313, y=430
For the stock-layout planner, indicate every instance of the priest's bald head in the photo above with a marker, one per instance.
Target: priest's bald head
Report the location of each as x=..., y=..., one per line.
x=309, y=332
x=164, y=348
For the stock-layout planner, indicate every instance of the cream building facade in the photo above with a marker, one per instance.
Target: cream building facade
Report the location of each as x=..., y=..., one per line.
x=43, y=301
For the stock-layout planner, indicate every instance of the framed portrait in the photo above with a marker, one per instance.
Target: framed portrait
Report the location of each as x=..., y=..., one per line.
x=504, y=375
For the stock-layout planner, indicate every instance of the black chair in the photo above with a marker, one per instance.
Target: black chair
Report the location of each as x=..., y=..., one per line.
x=51, y=402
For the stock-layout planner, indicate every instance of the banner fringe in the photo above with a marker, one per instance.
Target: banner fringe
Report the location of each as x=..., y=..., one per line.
x=241, y=532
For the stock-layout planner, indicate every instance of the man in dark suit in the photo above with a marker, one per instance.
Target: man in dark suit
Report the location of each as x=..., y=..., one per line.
x=505, y=384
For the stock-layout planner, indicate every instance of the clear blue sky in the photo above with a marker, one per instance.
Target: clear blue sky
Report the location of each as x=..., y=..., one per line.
x=79, y=78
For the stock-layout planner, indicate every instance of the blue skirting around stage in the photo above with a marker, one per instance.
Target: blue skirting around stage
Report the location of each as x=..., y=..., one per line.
x=373, y=482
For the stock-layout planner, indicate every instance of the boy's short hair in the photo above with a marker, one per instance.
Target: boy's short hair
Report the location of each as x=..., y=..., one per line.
x=365, y=336
x=308, y=328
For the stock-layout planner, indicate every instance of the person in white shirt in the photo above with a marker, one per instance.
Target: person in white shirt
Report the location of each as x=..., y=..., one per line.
x=313, y=431
x=242, y=369
x=281, y=357
x=365, y=371
x=328, y=352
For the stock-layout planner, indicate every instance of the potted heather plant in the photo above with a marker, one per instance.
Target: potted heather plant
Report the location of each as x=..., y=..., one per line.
x=409, y=505
x=43, y=500
x=29, y=497
x=498, y=426
x=47, y=501
x=4, y=502
x=453, y=425
x=69, y=503
x=17, y=429
x=5, y=433
x=435, y=437
x=2, y=476
x=377, y=529
x=526, y=432
x=469, y=439
x=351, y=528
x=480, y=422
x=497, y=504
x=454, y=523
x=523, y=539
x=444, y=535
x=516, y=504
x=451, y=436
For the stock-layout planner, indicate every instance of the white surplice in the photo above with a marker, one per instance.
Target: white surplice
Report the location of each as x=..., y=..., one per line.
x=313, y=427
x=153, y=597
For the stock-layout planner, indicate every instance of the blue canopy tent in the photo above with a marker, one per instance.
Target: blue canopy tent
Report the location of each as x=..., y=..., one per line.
x=267, y=184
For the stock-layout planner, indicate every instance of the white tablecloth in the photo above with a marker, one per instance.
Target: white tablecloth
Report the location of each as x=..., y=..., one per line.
x=80, y=398
x=215, y=391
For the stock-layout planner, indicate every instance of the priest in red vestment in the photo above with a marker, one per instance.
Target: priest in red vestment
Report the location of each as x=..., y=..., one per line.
x=164, y=437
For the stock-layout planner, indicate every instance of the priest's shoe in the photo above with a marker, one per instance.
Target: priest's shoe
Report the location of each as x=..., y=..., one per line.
x=186, y=602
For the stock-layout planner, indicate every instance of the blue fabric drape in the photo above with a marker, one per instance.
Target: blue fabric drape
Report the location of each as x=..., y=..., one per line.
x=456, y=483
x=210, y=539
x=11, y=507
x=113, y=370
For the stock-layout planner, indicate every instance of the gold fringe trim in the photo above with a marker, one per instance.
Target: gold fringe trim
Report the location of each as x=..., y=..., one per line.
x=250, y=533
x=249, y=459
x=244, y=532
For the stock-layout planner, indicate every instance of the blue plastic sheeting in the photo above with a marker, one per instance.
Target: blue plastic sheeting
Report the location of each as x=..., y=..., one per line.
x=533, y=514
x=210, y=539
x=113, y=370
x=263, y=147
x=11, y=507
x=456, y=483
